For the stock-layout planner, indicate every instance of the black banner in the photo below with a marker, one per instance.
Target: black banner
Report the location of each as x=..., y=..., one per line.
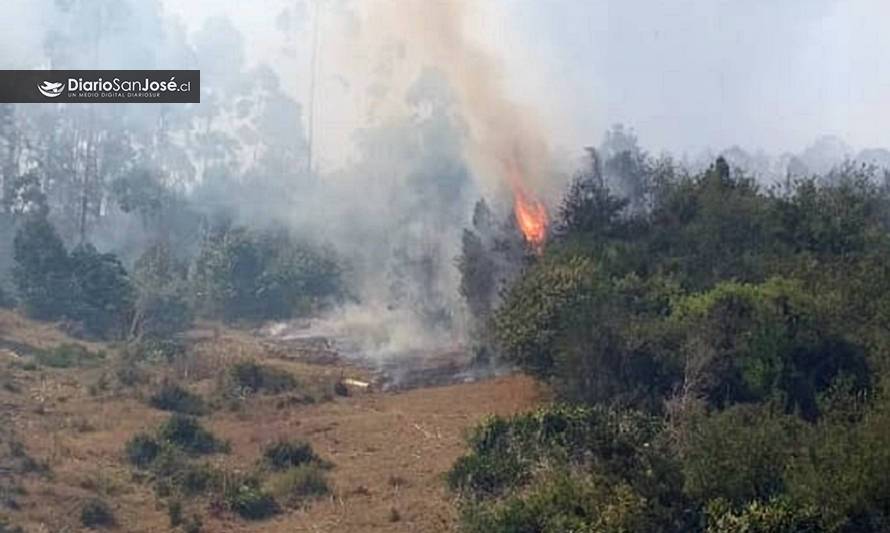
x=100, y=86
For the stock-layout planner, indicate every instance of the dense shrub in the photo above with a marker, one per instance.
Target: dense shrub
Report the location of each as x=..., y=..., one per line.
x=172, y=397
x=774, y=515
x=744, y=327
x=284, y=454
x=250, y=377
x=68, y=355
x=42, y=270
x=240, y=274
x=162, y=308
x=185, y=433
x=249, y=500
x=104, y=296
x=96, y=513
x=296, y=484
x=142, y=450
x=85, y=286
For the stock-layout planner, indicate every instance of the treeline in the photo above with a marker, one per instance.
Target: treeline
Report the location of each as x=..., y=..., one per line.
x=236, y=273
x=720, y=351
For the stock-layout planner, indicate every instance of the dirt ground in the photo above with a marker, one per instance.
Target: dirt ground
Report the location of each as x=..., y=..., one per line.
x=389, y=449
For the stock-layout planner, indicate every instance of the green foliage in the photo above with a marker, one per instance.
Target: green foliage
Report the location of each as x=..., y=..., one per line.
x=241, y=274
x=142, y=450
x=739, y=454
x=777, y=515
x=284, y=454
x=96, y=513
x=68, y=355
x=104, y=295
x=561, y=502
x=187, y=434
x=748, y=325
x=299, y=483
x=172, y=397
x=90, y=288
x=250, y=501
x=624, y=474
x=252, y=378
x=42, y=270
x=528, y=323
x=162, y=307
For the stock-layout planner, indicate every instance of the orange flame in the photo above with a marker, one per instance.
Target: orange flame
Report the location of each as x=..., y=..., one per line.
x=531, y=214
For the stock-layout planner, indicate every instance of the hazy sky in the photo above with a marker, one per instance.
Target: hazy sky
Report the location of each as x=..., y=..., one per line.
x=686, y=74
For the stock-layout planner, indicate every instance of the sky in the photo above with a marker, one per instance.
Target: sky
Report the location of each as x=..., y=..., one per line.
x=687, y=75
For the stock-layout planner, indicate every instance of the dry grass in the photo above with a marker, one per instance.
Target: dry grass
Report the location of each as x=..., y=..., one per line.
x=393, y=447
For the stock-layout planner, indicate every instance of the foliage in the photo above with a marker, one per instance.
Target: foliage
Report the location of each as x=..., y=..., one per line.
x=284, y=454
x=242, y=274
x=42, y=271
x=250, y=501
x=84, y=286
x=104, y=294
x=96, y=513
x=68, y=355
x=250, y=377
x=774, y=515
x=142, y=450
x=185, y=433
x=724, y=346
x=173, y=397
x=298, y=483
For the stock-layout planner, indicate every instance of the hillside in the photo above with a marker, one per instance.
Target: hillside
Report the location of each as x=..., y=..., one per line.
x=64, y=432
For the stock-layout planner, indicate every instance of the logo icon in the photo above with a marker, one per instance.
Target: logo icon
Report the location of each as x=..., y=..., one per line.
x=51, y=89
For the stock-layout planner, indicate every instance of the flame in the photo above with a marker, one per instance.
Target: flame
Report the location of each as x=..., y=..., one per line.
x=531, y=214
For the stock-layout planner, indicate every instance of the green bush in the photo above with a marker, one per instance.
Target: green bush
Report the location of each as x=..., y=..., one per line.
x=298, y=483
x=96, y=513
x=241, y=274
x=172, y=397
x=251, y=377
x=185, y=433
x=282, y=455
x=561, y=503
x=249, y=501
x=68, y=355
x=740, y=454
x=773, y=516
x=85, y=286
x=142, y=450
x=42, y=270
x=104, y=294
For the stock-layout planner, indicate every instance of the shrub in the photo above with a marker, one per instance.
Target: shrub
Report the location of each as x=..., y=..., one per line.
x=153, y=350
x=251, y=377
x=142, y=450
x=243, y=274
x=299, y=483
x=96, y=513
x=561, y=502
x=282, y=455
x=739, y=454
x=249, y=501
x=775, y=515
x=42, y=270
x=187, y=434
x=68, y=355
x=160, y=313
x=104, y=294
x=172, y=397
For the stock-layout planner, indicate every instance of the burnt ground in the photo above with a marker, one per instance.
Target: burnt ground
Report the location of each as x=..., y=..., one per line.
x=389, y=445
